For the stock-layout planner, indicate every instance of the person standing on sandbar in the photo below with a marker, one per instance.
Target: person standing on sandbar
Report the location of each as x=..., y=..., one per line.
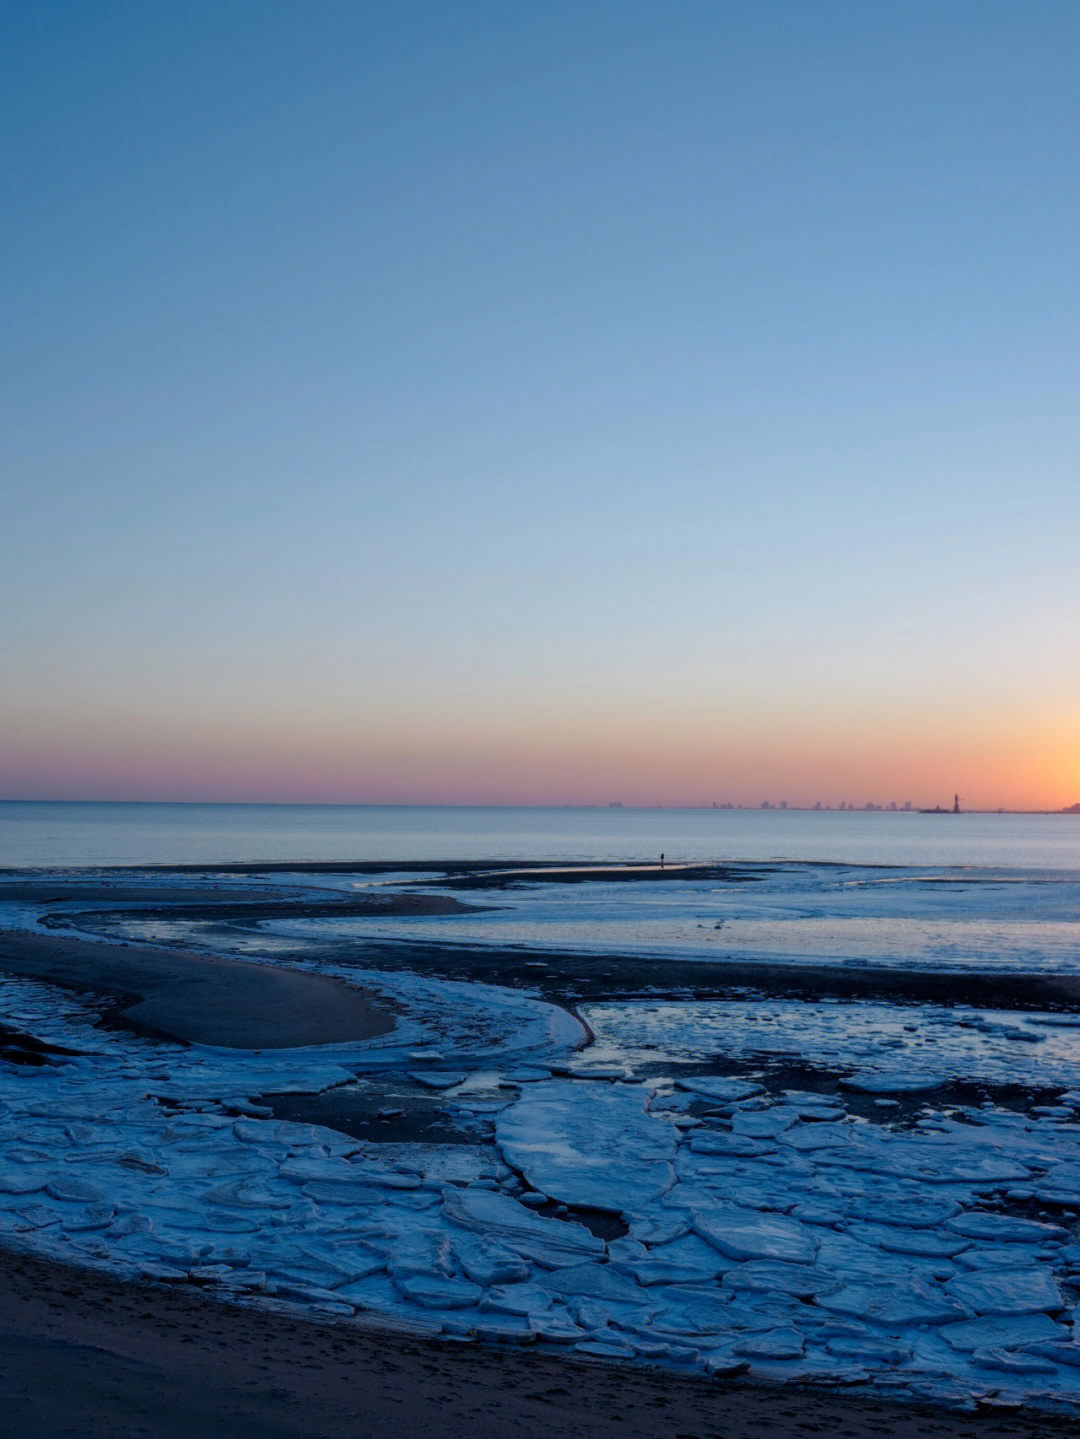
x=661, y=859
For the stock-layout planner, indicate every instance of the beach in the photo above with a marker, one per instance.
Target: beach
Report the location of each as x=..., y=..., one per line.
x=82, y=1354
x=300, y=1131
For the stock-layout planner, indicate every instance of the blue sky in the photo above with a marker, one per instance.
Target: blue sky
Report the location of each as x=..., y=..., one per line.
x=518, y=402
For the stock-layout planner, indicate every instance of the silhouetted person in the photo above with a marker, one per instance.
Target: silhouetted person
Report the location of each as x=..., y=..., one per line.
x=661, y=859
x=956, y=804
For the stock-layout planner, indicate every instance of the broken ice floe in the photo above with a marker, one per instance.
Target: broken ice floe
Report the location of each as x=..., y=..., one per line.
x=718, y=1271
x=590, y=1145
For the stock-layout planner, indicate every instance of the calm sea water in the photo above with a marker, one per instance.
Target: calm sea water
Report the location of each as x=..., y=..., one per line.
x=43, y=835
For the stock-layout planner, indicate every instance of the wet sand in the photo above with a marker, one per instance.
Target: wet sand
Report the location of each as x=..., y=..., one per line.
x=523, y=874
x=571, y=978
x=85, y=1355
x=199, y=999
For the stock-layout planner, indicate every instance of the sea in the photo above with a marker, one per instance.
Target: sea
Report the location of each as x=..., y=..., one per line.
x=67, y=835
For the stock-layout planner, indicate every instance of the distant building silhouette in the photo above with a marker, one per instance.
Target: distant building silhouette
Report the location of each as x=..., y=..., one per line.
x=938, y=810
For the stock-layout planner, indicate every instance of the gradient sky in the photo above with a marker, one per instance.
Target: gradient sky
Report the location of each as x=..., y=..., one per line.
x=541, y=402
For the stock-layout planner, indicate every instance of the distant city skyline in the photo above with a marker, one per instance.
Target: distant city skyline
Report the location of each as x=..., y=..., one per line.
x=541, y=404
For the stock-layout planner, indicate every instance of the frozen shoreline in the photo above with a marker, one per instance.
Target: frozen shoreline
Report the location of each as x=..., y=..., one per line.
x=923, y=1249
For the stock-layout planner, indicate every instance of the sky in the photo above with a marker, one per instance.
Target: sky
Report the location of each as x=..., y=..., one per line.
x=540, y=403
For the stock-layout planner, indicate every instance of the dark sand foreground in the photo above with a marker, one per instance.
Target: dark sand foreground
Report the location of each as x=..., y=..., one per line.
x=88, y=1357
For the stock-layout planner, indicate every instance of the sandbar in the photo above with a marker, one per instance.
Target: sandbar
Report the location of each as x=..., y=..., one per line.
x=202, y=999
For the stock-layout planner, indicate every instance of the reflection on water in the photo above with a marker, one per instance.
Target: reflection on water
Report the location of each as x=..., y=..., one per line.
x=1024, y=946
x=810, y=914
x=995, y=921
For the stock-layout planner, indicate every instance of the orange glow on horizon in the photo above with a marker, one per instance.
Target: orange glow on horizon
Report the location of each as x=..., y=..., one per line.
x=666, y=762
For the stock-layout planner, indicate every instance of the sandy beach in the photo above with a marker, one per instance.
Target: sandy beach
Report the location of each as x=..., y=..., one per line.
x=85, y=1355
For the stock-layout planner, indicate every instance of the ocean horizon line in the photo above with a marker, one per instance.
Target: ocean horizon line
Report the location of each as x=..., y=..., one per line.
x=630, y=808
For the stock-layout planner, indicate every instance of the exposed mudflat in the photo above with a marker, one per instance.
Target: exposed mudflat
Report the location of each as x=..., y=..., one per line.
x=201, y=999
